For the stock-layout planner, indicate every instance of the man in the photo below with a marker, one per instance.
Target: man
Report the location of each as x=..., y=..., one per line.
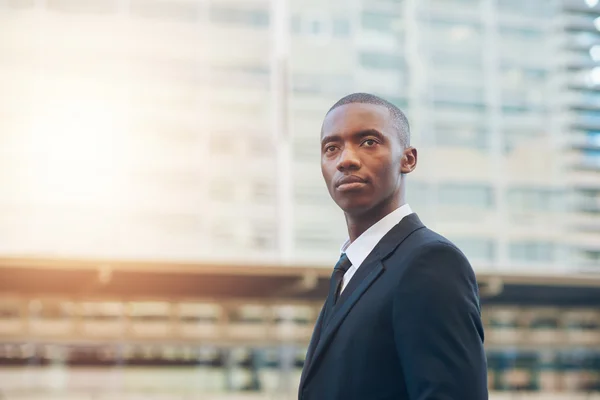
x=402, y=318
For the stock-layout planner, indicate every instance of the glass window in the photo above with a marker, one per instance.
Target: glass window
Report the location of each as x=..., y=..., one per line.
x=450, y=59
x=590, y=256
x=376, y=60
x=515, y=105
x=399, y=102
x=585, y=39
x=341, y=27
x=469, y=195
x=296, y=24
x=590, y=116
x=417, y=191
x=470, y=3
x=322, y=84
x=529, y=8
x=476, y=248
x=382, y=22
x=464, y=96
x=520, y=75
x=338, y=27
x=520, y=32
x=532, y=251
x=591, y=158
x=590, y=98
x=587, y=200
x=460, y=37
x=239, y=16
x=532, y=199
x=515, y=137
x=461, y=136
x=316, y=27
x=181, y=11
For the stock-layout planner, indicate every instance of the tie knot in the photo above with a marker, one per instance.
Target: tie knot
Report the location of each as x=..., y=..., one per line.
x=343, y=263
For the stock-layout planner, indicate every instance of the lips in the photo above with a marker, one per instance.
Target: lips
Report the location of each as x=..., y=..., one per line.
x=350, y=181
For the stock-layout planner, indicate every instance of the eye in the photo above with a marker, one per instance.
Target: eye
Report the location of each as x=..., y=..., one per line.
x=329, y=149
x=370, y=142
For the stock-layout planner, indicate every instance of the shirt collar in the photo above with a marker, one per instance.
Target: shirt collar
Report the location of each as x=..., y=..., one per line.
x=358, y=250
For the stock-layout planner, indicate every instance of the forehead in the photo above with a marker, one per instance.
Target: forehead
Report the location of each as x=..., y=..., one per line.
x=356, y=117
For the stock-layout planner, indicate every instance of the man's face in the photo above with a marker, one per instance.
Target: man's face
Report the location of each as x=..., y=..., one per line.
x=362, y=158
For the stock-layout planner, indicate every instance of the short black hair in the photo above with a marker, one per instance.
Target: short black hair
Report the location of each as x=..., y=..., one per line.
x=398, y=118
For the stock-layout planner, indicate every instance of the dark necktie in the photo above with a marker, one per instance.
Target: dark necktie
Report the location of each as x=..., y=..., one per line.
x=337, y=277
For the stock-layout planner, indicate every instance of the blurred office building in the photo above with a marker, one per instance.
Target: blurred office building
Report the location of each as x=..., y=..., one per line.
x=165, y=232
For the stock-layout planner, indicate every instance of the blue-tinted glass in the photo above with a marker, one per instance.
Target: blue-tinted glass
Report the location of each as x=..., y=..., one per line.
x=449, y=24
x=585, y=38
x=476, y=248
x=418, y=192
x=516, y=109
x=296, y=24
x=378, y=21
x=470, y=60
x=474, y=138
x=376, y=60
x=531, y=199
x=591, y=98
x=535, y=73
x=531, y=8
x=315, y=27
x=593, y=137
x=480, y=196
x=458, y=104
x=592, y=154
x=230, y=15
x=520, y=32
x=592, y=117
x=399, y=102
x=319, y=83
x=531, y=251
x=341, y=27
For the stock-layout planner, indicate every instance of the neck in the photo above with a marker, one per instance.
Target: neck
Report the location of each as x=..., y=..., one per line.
x=358, y=224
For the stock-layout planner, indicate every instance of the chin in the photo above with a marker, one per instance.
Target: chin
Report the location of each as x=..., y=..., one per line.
x=354, y=206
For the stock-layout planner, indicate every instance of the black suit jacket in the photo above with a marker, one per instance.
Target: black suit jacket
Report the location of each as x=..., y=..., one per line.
x=407, y=326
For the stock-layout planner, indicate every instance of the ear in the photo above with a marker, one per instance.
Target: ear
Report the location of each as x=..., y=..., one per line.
x=409, y=160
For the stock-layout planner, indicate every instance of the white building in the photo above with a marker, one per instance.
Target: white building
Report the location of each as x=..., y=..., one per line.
x=188, y=129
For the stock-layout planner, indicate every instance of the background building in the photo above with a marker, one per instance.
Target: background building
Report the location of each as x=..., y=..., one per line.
x=146, y=135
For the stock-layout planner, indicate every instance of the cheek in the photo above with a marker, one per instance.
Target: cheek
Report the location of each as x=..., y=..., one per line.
x=327, y=176
x=388, y=175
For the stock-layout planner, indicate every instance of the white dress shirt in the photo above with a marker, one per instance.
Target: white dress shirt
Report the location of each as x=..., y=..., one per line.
x=358, y=250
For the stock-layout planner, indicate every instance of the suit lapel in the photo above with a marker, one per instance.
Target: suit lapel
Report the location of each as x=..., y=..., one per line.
x=366, y=274
x=313, y=343
x=338, y=314
x=383, y=249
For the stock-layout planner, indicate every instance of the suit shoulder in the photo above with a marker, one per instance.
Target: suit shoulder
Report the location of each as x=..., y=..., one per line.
x=427, y=240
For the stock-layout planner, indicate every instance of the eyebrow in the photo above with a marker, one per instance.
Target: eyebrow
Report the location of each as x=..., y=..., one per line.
x=357, y=135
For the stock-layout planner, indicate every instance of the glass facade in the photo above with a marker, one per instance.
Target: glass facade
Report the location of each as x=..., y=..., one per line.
x=582, y=25
x=193, y=125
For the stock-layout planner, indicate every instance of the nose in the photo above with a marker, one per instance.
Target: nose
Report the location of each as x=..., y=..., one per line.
x=348, y=160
